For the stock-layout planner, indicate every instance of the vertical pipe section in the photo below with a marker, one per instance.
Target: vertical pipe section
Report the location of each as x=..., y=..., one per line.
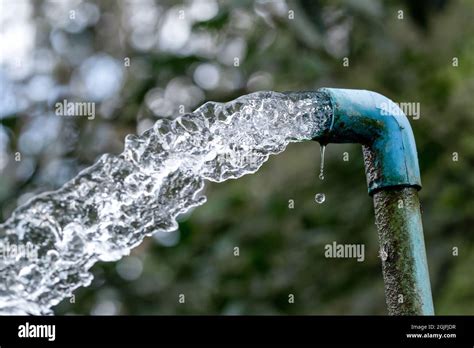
x=402, y=250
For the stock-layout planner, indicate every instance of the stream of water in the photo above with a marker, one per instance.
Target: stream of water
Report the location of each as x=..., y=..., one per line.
x=109, y=208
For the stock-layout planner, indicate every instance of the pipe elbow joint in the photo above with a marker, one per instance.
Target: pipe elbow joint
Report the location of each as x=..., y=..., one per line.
x=369, y=118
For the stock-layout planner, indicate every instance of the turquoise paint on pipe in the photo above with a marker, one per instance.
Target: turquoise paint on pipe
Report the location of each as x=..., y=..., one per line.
x=373, y=120
x=393, y=176
x=421, y=268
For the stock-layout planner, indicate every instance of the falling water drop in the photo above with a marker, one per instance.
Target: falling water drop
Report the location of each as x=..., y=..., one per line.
x=321, y=170
x=320, y=198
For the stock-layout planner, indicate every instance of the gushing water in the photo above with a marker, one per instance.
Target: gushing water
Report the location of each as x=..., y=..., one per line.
x=109, y=208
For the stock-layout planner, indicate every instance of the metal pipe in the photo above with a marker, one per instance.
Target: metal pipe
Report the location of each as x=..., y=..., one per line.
x=393, y=179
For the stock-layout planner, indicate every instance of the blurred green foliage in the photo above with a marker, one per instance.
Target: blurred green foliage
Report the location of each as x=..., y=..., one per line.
x=282, y=249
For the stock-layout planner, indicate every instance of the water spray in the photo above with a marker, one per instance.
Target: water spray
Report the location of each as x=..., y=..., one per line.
x=108, y=208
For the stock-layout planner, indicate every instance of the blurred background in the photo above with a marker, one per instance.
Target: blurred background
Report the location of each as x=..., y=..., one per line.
x=142, y=60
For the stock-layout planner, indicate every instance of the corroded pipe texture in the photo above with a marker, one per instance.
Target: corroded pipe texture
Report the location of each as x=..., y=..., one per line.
x=376, y=122
x=393, y=178
x=402, y=250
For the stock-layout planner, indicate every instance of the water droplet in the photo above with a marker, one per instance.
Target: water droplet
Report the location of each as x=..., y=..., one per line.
x=25, y=271
x=52, y=255
x=321, y=170
x=320, y=198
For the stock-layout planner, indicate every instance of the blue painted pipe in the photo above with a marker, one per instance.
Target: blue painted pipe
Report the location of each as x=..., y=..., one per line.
x=375, y=121
x=393, y=179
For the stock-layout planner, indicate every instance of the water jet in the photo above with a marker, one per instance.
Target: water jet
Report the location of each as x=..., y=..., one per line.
x=109, y=208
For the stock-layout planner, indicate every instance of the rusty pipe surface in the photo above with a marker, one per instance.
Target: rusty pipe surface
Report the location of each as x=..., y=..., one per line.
x=393, y=179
